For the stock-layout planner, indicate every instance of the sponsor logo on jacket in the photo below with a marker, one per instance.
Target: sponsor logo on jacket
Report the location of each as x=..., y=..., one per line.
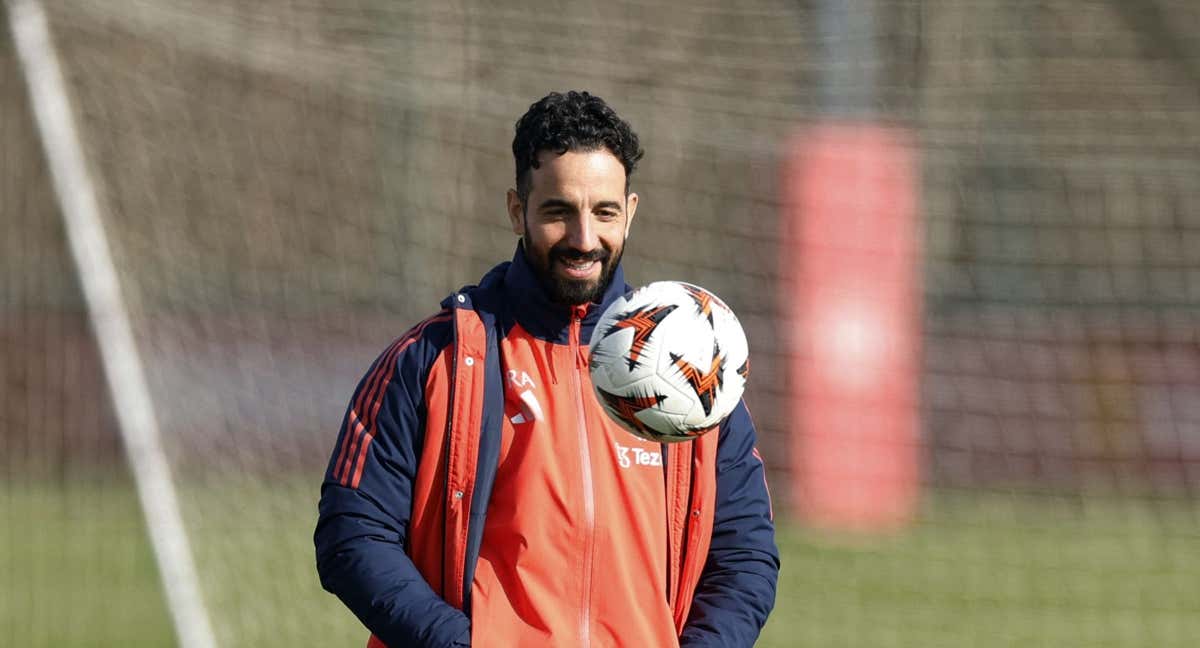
x=634, y=456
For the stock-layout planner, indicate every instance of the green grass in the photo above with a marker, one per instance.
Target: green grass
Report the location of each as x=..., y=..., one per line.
x=76, y=568
x=980, y=571
x=998, y=570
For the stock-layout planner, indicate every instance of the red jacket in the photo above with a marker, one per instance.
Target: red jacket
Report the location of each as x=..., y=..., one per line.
x=412, y=479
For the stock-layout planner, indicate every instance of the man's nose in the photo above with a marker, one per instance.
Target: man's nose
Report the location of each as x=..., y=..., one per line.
x=582, y=235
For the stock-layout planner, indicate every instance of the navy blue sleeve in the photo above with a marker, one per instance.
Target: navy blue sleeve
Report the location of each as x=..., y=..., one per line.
x=366, y=503
x=737, y=587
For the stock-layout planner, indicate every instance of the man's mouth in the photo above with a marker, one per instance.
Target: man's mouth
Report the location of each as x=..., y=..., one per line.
x=579, y=265
x=580, y=268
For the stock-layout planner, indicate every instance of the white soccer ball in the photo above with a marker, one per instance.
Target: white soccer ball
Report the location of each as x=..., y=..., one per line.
x=669, y=361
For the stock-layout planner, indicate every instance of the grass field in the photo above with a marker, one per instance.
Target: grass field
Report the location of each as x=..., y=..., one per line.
x=981, y=571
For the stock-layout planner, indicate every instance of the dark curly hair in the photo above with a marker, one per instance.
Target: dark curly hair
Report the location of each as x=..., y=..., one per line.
x=575, y=121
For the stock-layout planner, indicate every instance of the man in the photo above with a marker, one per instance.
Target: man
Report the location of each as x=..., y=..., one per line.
x=477, y=496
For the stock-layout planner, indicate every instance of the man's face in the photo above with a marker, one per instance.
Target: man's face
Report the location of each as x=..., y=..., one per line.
x=574, y=221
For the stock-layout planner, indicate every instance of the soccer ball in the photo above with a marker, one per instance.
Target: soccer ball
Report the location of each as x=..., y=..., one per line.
x=669, y=361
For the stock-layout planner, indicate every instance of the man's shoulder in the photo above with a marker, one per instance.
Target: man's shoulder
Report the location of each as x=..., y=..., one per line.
x=421, y=343
x=483, y=297
x=432, y=335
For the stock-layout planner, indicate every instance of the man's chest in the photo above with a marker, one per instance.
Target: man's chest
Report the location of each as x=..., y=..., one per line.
x=552, y=417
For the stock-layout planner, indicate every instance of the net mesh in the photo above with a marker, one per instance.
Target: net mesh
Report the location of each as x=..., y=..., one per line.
x=289, y=185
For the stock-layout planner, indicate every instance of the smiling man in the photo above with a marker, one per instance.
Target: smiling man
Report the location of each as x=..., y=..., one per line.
x=477, y=494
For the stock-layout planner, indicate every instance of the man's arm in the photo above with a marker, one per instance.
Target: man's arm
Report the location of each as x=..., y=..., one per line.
x=361, y=559
x=737, y=587
x=366, y=502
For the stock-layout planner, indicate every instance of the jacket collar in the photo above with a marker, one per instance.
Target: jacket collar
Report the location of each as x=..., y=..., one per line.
x=543, y=318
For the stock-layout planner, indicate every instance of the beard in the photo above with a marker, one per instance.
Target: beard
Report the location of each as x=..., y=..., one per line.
x=564, y=290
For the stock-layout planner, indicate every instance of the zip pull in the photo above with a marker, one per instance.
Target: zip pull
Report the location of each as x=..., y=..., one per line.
x=578, y=312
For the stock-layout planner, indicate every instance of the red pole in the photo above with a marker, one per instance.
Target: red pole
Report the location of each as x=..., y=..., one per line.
x=851, y=263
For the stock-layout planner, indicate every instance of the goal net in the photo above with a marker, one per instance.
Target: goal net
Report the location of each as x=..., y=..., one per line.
x=287, y=186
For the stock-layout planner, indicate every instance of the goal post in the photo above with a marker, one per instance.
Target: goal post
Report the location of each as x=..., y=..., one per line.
x=122, y=363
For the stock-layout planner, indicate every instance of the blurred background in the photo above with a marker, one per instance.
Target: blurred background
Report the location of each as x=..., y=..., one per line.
x=287, y=186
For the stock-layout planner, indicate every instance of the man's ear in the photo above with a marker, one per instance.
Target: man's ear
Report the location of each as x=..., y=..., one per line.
x=631, y=203
x=516, y=212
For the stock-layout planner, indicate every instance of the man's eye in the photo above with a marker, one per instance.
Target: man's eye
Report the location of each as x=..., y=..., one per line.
x=608, y=215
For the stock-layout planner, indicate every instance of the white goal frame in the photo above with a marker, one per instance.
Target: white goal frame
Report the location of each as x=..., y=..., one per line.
x=119, y=354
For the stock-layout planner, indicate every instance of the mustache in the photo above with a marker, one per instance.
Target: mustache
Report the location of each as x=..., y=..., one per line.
x=571, y=254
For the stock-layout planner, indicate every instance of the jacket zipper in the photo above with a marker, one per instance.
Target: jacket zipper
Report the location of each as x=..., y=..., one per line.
x=589, y=504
